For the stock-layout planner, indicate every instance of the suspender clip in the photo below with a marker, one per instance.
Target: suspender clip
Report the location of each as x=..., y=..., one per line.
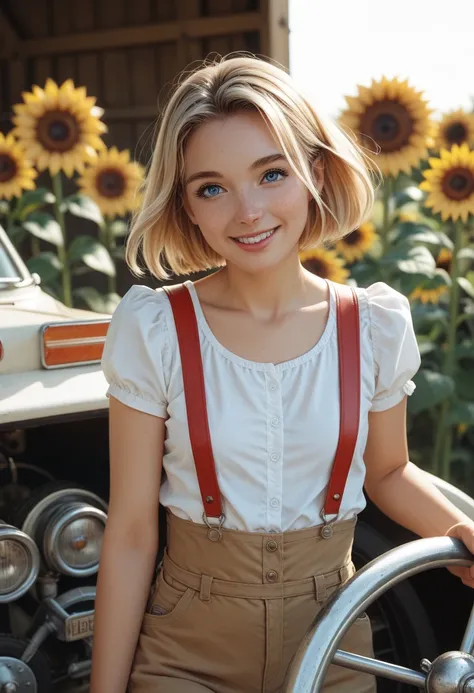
x=214, y=530
x=327, y=531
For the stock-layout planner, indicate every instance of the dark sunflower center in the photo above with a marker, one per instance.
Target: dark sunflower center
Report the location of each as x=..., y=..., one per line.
x=456, y=133
x=7, y=168
x=111, y=182
x=353, y=238
x=388, y=123
x=458, y=183
x=58, y=131
x=317, y=266
x=444, y=262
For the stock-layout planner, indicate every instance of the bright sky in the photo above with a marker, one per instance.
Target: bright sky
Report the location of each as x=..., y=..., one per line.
x=337, y=44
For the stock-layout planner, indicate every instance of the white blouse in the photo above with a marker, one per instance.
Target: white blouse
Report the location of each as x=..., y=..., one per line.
x=274, y=428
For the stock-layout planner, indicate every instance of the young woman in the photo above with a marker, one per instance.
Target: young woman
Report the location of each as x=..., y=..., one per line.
x=232, y=385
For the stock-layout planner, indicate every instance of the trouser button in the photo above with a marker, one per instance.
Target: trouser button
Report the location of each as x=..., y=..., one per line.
x=271, y=545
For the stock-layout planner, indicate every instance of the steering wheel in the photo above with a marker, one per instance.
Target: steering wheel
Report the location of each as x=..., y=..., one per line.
x=451, y=672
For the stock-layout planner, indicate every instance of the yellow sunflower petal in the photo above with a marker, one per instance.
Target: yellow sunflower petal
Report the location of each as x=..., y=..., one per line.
x=396, y=100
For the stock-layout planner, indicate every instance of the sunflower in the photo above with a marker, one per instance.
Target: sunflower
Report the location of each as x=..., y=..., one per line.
x=450, y=183
x=444, y=259
x=391, y=118
x=456, y=127
x=432, y=295
x=324, y=263
x=59, y=127
x=354, y=246
x=426, y=295
x=113, y=182
x=16, y=173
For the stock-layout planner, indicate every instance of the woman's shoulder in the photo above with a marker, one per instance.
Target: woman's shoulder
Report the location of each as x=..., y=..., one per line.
x=136, y=360
x=393, y=342
x=380, y=295
x=142, y=307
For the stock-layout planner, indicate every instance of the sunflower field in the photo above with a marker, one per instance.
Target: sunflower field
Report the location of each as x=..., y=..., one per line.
x=420, y=238
x=57, y=136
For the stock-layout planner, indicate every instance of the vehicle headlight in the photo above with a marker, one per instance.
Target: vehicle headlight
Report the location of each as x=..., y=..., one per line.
x=72, y=539
x=19, y=563
x=67, y=525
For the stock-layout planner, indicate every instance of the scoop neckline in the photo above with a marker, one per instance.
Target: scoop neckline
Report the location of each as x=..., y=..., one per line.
x=261, y=365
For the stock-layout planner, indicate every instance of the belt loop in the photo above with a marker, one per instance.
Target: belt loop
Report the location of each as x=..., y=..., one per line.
x=344, y=574
x=320, y=586
x=205, y=591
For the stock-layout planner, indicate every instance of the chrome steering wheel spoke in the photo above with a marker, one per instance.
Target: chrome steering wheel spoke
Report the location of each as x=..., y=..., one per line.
x=450, y=672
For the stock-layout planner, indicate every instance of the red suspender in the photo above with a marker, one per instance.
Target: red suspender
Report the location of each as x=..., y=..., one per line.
x=195, y=395
x=348, y=339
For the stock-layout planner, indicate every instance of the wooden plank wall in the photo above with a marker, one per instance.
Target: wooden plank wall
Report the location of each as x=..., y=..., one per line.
x=93, y=42
x=130, y=82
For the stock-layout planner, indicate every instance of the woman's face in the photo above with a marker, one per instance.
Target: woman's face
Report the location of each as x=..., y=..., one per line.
x=239, y=189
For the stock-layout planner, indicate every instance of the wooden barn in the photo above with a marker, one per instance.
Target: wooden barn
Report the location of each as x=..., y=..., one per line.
x=127, y=52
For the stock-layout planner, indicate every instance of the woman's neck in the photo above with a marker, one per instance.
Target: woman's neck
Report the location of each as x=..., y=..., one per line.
x=270, y=293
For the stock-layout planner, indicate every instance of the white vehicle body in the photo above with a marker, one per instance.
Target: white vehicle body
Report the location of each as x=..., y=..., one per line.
x=28, y=389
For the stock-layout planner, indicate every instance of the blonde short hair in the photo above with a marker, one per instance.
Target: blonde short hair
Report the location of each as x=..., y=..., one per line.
x=162, y=231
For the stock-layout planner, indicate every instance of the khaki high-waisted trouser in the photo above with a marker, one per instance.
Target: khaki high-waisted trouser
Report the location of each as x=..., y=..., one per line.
x=227, y=616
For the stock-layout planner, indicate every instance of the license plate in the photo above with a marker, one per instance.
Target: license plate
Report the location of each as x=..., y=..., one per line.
x=79, y=626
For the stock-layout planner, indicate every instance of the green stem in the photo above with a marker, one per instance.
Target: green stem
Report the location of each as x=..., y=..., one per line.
x=387, y=193
x=108, y=239
x=62, y=249
x=444, y=437
x=35, y=246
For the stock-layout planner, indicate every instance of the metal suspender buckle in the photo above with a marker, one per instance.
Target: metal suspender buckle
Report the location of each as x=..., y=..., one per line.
x=214, y=532
x=327, y=531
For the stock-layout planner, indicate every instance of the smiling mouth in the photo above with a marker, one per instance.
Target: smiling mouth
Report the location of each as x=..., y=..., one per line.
x=258, y=238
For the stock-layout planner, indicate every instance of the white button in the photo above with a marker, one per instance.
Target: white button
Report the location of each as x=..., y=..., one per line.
x=275, y=456
x=273, y=386
x=275, y=421
x=274, y=502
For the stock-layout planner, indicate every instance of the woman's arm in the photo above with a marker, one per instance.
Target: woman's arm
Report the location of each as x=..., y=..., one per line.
x=403, y=491
x=130, y=544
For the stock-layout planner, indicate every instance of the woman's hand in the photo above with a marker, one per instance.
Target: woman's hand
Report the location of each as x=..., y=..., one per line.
x=465, y=532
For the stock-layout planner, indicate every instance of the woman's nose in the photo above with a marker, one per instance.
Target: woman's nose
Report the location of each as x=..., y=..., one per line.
x=248, y=214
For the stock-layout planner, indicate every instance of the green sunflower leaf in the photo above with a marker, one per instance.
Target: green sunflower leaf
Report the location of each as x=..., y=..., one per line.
x=93, y=299
x=42, y=225
x=464, y=379
x=82, y=206
x=47, y=265
x=410, y=194
x=92, y=253
x=31, y=200
x=431, y=389
x=465, y=350
x=466, y=254
x=119, y=228
x=419, y=261
x=461, y=413
x=466, y=286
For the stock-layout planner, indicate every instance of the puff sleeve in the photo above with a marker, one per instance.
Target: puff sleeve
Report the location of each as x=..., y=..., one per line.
x=396, y=353
x=136, y=352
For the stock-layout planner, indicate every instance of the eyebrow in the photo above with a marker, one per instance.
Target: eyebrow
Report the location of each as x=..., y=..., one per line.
x=263, y=161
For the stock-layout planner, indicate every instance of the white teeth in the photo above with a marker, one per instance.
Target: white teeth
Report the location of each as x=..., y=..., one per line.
x=256, y=239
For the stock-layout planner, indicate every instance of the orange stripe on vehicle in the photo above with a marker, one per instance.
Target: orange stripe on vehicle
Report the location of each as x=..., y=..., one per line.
x=74, y=343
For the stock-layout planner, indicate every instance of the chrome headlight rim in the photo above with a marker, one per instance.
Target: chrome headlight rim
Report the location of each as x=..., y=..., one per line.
x=52, y=500
x=11, y=533
x=56, y=524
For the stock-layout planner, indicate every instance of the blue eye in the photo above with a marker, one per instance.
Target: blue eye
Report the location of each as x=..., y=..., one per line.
x=211, y=189
x=275, y=175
